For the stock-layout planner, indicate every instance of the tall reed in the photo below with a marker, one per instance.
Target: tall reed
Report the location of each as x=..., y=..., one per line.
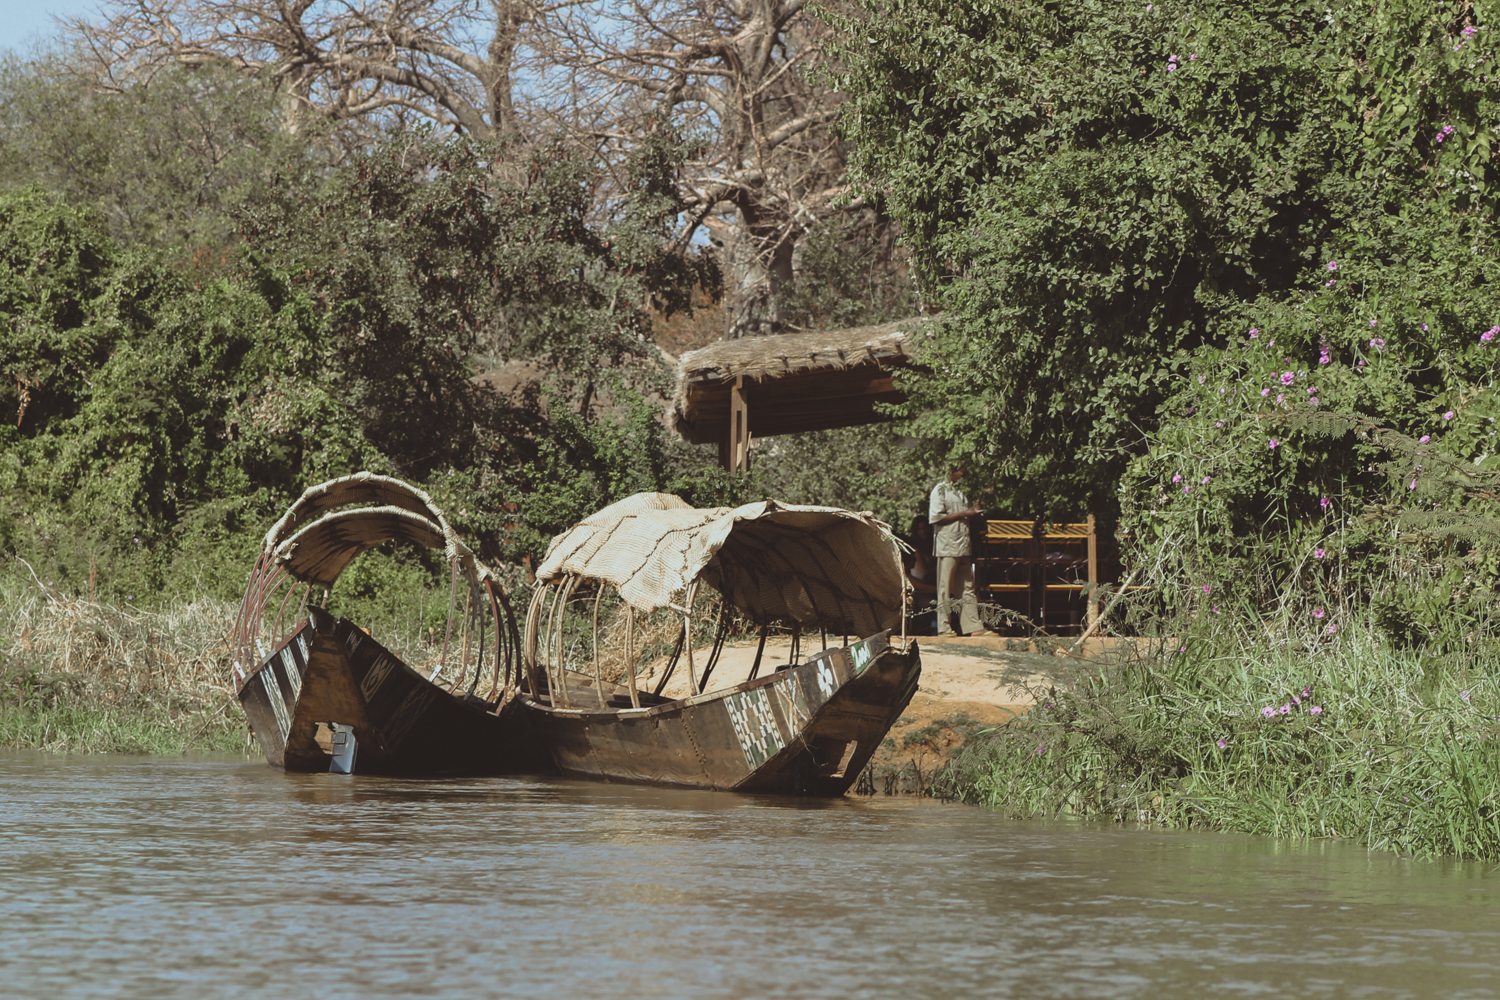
x=76, y=675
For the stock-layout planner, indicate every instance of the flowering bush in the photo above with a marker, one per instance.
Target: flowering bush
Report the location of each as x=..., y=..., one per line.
x=1367, y=488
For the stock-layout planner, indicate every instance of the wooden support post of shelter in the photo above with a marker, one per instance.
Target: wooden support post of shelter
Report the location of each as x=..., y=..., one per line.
x=734, y=450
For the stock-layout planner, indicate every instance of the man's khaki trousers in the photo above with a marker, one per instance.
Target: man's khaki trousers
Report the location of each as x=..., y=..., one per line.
x=956, y=575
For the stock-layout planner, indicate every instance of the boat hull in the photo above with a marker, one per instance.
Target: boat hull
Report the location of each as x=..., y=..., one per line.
x=329, y=671
x=804, y=730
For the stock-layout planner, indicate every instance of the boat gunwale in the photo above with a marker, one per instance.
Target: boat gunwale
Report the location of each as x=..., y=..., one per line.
x=698, y=699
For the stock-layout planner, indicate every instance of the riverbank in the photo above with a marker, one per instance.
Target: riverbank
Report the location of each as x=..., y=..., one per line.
x=1349, y=739
x=82, y=677
x=1352, y=740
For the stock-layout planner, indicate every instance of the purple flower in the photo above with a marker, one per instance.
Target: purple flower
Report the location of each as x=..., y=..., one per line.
x=1265, y=392
x=1040, y=747
x=1272, y=343
x=1314, y=401
x=1318, y=553
x=1214, y=609
x=1315, y=710
x=1223, y=745
x=1317, y=612
x=1172, y=68
x=1177, y=478
x=1268, y=711
x=1287, y=378
x=1468, y=32
x=1424, y=327
x=1254, y=333
x=1411, y=485
x=1284, y=710
x=1329, y=283
x=1182, y=649
x=1193, y=57
x=1219, y=423
x=1333, y=265
x=1423, y=439
x=1307, y=692
x=1207, y=480
x=1360, y=363
x=1448, y=415
x=1272, y=443
x=1372, y=324
x=1208, y=588
x=1332, y=628
x=1324, y=502
x=1186, y=490
x=1489, y=334
x=1279, y=397
x=1377, y=343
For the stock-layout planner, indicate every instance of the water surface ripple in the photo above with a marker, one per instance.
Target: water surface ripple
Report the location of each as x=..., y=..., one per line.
x=211, y=878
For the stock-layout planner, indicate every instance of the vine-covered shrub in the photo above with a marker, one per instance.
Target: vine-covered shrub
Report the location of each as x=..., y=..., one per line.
x=1096, y=191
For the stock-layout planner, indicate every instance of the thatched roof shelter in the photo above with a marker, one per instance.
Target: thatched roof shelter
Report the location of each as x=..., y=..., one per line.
x=791, y=382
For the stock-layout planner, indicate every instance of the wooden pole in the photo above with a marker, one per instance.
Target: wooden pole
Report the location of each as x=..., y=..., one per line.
x=687, y=637
x=635, y=698
x=737, y=453
x=598, y=670
x=1093, y=616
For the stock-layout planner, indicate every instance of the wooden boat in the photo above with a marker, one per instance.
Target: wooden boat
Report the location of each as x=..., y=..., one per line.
x=808, y=727
x=328, y=696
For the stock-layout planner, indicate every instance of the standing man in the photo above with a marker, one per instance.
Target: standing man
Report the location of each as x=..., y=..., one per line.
x=948, y=511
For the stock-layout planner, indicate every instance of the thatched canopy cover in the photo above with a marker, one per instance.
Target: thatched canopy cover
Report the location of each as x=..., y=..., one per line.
x=798, y=381
x=315, y=540
x=815, y=566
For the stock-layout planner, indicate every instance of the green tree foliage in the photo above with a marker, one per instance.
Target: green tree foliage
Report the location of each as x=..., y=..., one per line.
x=137, y=397
x=160, y=414
x=1096, y=191
x=166, y=162
x=423, y=254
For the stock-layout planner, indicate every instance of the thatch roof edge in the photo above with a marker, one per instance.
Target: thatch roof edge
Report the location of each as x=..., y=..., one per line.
x=785, y=354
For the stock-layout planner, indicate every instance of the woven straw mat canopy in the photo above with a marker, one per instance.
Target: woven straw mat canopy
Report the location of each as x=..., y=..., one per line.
x=315, y=541
x=816, y=566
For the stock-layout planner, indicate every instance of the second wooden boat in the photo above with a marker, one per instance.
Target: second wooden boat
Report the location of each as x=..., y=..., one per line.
x=808, y=726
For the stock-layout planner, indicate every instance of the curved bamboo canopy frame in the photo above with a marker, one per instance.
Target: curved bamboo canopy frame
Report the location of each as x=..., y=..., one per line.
x=330, y=525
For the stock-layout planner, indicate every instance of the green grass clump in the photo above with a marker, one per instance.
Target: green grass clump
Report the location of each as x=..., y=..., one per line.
x=1395, y=749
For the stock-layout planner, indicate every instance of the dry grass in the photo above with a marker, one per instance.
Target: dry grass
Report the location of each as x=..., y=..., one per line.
x=80, y=676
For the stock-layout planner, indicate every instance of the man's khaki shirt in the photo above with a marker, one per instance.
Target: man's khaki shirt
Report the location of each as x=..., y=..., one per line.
x=950, y=539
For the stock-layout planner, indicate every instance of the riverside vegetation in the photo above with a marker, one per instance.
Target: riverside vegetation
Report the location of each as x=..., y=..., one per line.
x=1229, y=272
x=1225, y=275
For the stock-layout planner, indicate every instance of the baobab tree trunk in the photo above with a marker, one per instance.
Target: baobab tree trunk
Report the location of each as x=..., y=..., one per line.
x=757, y=267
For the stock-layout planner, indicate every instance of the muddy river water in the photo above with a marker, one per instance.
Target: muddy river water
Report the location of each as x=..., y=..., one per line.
x=200, y=878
